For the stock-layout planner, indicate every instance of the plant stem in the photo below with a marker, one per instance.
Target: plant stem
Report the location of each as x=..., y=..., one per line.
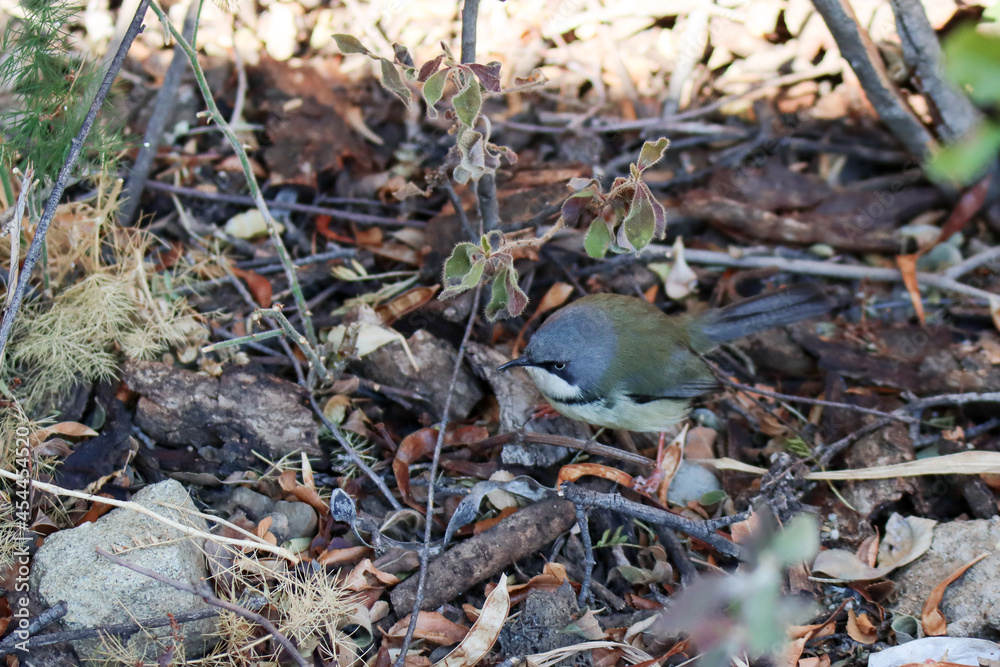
x=255, y=192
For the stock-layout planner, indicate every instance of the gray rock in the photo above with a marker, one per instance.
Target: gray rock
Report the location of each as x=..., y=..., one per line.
x=99, y=593
x=518, y=397
x=301, y=518
x=691, y=482
x=255, y=505
x=970, y=604
x=435, y=358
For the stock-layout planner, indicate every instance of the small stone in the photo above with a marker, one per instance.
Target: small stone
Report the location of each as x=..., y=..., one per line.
x=301, y=518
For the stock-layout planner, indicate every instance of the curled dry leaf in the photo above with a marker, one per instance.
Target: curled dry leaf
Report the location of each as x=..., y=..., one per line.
x=573, y=472
x=259, y=286
x=908, y=269
x=931, y=617
x=906, y=540
x=484, y=631
x=431, y=626
x=860, y=628
x=69, y=429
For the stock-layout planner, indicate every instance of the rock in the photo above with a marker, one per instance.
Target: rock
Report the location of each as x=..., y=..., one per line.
x=300, y=516
x=435, y=358
x=970, y=604
x=691, y=482
x=518, y=397
x=98, y=593
x=255, y=505
x=243, y=410
x=543, y=624
x=885, y=446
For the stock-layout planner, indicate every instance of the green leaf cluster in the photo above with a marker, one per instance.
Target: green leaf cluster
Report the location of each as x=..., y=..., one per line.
x=470, y=264
x=625, y=219
x=972, y=60
x=53, y=89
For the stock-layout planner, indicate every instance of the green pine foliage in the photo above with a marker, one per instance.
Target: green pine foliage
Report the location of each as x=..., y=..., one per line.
x=53, y=87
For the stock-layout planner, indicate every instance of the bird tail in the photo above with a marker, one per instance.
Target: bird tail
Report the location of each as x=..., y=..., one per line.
x=766, y=311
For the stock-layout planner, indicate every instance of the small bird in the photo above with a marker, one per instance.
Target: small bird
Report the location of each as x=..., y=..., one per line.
x=619, y=362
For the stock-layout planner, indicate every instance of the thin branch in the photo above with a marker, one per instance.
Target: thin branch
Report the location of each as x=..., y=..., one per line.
x=588, y=554
x=247, y=200
x=826, y=454
x=814, y=268
x=165, y=104
x=141, y=509
x=618, y=503
x=204, y=591
x=425, y=552
x=75, y=149
x=255, y=192
x=353, y=455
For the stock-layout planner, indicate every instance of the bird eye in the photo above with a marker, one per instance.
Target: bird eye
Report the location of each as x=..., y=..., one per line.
x=561, y=365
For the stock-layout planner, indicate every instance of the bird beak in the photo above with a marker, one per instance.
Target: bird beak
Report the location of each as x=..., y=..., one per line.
x=520, y=361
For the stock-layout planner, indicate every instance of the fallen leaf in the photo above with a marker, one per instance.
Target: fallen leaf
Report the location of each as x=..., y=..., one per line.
x=574, y=471
x=432, y=626
x=931, y=617
x=908, y=269
x=259, y=286
x=906, y=540
x=480, y=639
x=860, y=628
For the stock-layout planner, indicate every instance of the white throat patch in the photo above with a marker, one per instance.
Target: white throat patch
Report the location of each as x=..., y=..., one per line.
x=553, y=386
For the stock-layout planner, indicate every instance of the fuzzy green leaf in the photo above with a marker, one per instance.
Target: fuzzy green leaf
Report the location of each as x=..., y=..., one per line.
x=392, y=82
x=460, y=263
x=499, y=296
x=972, y=59
x=469, y=280
x=434, y=89
x=598, y=239
x=652, y=152
x=402, y=55
x=966, y=160
x=798, y=542
x=640, y=224
x=350, y=44
x=468, y=102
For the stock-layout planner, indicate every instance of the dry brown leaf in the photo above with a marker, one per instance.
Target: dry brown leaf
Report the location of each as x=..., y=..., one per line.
x=906, y=540
x=303, y=493
x=908, y=269
x=69, y=429
x=406, y=303
x=431, y=626
x=860, y=628
x=934, y=622
x=342, y=556
x=574, y=471
x=484, y=632
x=357, y=581
x=259, y=286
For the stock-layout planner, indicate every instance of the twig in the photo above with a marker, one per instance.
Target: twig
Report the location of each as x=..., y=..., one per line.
x=354, y=457
x=255, y=192
x=136, y=507
x=922, y=51
x=470, y=15
x=119, y=629
x=816, y=401
x=435, y=461
x=12, y=228
x=826, y=454
x=675, y=550
x=857, y=48
x=76, y=147
x=165, y=104
x=204, y=591
x=43, y=620
x=456, y=203
x=247, y=200
x=588, y=446
x=588, y=554
x=617, y=503
x=991, y=256
x=814, y=268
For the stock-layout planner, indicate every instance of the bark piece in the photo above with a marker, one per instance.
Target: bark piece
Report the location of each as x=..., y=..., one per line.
x=482, y=557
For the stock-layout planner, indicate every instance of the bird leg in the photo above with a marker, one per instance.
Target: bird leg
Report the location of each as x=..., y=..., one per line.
x=544, y=411
x=649, y=485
